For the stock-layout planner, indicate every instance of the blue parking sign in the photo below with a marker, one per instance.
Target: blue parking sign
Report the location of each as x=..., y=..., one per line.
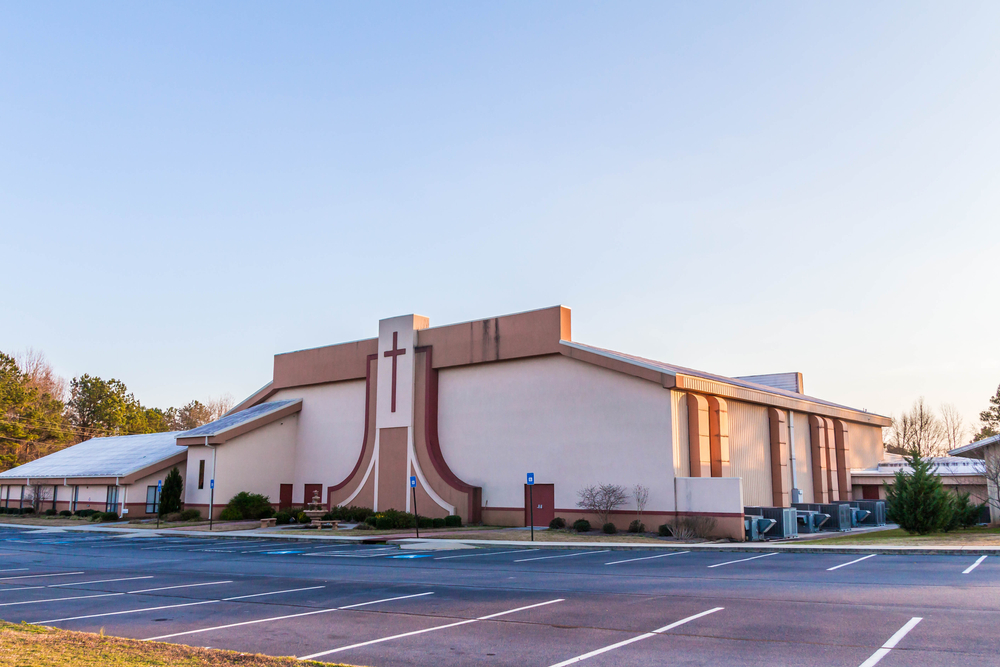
x=531, y=478
x=413, y=482
x=211, y=484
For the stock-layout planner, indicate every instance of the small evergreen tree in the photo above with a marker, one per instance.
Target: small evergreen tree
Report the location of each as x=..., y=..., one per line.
x=917, y=500
x=170, y=494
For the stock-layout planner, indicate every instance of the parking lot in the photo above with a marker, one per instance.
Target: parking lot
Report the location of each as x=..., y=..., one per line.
x=378, y=605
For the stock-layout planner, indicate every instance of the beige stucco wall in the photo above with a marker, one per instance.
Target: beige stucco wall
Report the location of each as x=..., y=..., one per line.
x=803, y=456
x=570, y=423
x=866, y=445
x=258, y=462
x=750, y=451
x=331, y=427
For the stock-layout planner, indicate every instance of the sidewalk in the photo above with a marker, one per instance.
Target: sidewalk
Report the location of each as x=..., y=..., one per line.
x=412, y=543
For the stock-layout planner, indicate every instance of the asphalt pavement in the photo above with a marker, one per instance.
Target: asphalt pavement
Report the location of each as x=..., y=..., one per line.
x=383, y=606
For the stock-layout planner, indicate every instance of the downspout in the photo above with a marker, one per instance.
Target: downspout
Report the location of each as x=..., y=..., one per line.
x=796, y=493
x=211, y=497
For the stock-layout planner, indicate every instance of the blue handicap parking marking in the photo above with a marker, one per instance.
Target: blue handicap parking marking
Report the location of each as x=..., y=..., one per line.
x=412, y=556
x=272, y=553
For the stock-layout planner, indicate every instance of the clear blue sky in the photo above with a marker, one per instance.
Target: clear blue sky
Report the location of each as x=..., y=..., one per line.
x=188, y=188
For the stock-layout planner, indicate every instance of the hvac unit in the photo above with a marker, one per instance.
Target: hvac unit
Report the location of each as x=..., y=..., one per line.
x=810, y=520
x=786, y=524
x=754, y=527
x=877, y=509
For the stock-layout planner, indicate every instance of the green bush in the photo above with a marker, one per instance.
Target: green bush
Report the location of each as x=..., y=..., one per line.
x=50, y=512
x=665, y=531
x=557, y=523
x=191, y=515
x=636, y=527
x=963, y=513
x=105, y=516
x=283, y=518
x=246, y=505
x=425, y=522
x=917, y=501
x=581, y=526
x=453, y=521
x=437, y=523
x=65, y=513
x=370, y=520
x=609, y=528
x=364, y=526
x=27, y=510
x=86, y=513
x=383, y=523
x=302, y=518
x=171, y=493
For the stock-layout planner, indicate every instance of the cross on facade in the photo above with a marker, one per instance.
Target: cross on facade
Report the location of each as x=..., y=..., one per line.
x=394, y=353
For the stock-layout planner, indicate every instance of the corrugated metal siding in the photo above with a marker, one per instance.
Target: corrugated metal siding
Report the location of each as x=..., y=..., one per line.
x=750, y=451
x=682, y=448
x=866, y=445
x=803, y=456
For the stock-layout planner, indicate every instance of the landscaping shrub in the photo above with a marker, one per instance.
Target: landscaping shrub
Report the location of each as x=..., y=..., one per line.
x=581, y=526
x=437, y=523
x=105, y=516
x=50, y=512
x=609, y=528
x=963, y=513
x=171, y=493
x=453, y=521
x=383, y=523
x=191, y=515
x=665, y=531
x=357, y=514
x=364, y=526
x=28, y=510
x=86, y=513
x=246, y=505
x=636, y=527
x=173, y=516
x=370, y=520
x=3, y=510
x=557, y=523
x=65, y=513
x=425, y=522
x=283, y=518
x=302, y=518
x=917, y=500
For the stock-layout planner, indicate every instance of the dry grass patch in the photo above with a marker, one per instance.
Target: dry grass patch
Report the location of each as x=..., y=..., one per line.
x=42, y=520
x=977, y=536
x=26, y=645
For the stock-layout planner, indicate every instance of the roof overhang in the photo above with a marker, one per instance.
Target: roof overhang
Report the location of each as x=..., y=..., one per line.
x=236, y=430
x=976, y=450
x=67, y=480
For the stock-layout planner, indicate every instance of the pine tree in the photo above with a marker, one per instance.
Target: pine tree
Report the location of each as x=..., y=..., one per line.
x=917, y=500
x=990, y=418
x=170, y=495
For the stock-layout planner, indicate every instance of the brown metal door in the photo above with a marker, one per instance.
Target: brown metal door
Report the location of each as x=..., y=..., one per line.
x=543, y=497
x=869, y=492
x=285, y=496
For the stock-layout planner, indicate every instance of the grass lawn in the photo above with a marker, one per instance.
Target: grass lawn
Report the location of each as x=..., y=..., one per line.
x=23, y=645
x=42, y=520
x=977, y=536
x=497, y=533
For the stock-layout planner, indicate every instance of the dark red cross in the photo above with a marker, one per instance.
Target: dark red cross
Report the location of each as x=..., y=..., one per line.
x=394, y=352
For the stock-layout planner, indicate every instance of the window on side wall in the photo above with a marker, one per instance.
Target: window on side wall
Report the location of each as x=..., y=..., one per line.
x=152, y=499
x=201, y=474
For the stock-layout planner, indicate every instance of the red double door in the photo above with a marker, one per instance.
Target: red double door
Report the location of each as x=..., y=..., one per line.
x=543, y=498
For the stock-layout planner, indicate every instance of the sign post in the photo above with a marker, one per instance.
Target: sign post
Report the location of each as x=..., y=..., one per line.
x=413, y=488
x=211, y=501
x=531, y=501
x=156, y=503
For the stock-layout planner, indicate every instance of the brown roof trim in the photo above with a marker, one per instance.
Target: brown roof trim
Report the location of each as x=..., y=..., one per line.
x=176, y=459
x=245, y=427
x=259, y=396
x=618, y=364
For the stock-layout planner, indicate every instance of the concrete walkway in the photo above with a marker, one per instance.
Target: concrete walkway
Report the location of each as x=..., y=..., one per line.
x=435, y=544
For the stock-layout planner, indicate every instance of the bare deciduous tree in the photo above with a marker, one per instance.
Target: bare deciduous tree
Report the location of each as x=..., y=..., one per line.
x=603, y=499
x=919, y=429
x=953, y=426
x=40, y=375
x=218, y=407
x=640, y=494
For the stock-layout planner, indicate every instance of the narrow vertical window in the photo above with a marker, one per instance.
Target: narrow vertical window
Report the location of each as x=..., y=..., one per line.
x=201, y=474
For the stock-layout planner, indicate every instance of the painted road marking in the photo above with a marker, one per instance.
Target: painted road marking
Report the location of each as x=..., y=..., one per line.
x=632, y=560
x=891, y=644
x=36, y=576
x=852, y=562
x=491, y=553
x=665, y=628
x=974, y=565
x=281, y=618
x=14, y=569
x=129, y=611
x=257, y=595
x=331, y=554
x=75, y=583
x=167, y=588
x=75, y=597
x=743, y=560
x=582, y=553
x=425, y=630
x=408, y=556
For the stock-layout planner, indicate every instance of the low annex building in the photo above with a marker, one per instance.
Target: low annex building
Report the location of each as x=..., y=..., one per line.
x=469, y=409
x=114, y=474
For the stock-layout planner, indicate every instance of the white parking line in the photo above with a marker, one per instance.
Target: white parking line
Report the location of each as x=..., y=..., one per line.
x=74, y=583
x=257, y=595
x=974, y=565
x=632, y=560
x=14, y=569
x=891, y=644
x=743, y=560
x=673, y=625
x=281, y=618
x=75, y=597
x=167, y=588
x=491, y=553
x=852, y=562
x=129, y=611
x=582, y=553
x=425, y=630
x=37, y=576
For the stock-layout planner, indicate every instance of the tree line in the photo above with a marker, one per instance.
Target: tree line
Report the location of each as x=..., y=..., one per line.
x=41, y=413
x=924, y=431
